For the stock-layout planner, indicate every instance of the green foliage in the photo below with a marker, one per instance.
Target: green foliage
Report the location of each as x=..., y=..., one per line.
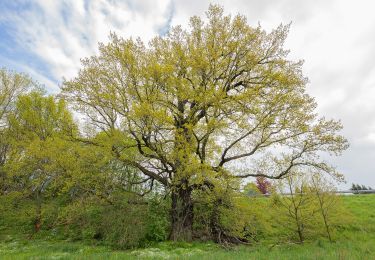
x=40, y=117
x=310, y=209
x=12, y=85
x=158, y=222
x=128, y=223
x=120, y=225
x=228, y=216
x=251, y=189
x=73, y=189
x=169, y=118
x=296, y=209
x=87, y=193
x=16, y=214
x=37, y=128
x=245, y=219
x=355, y=240
x=38, y=125
x=195, y=101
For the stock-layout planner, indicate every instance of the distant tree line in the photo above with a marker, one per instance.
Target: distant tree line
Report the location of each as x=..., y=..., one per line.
x=360, y=187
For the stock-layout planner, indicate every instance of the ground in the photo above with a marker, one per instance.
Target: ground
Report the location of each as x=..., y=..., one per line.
x=354, y=241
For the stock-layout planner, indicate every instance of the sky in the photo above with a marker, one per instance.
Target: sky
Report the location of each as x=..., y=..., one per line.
x=336, y=38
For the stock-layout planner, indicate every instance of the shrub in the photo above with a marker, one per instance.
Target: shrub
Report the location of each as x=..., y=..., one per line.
x=157, y=226
x=263, y=185
x=227, y=218
x=127, y=223
x=16, y=213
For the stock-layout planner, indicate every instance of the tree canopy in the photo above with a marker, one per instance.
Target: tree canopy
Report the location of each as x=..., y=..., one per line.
x=12, y=85
x=199, y=103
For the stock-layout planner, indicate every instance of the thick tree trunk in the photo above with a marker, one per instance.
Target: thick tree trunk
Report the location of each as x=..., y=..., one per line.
x=182, y=215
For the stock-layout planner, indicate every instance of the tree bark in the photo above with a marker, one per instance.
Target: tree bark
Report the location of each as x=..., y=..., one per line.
x=38, y=212
x=216, y=231
x=3, y=187
x=300, y=234
x=182, y=215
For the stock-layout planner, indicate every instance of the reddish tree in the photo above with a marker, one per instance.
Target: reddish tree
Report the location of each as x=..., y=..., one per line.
x=263, y=185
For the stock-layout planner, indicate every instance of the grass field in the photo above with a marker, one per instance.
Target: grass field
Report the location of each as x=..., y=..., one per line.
x=356, y=240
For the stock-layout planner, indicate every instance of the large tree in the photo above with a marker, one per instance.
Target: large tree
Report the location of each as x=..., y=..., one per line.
x=201, y=102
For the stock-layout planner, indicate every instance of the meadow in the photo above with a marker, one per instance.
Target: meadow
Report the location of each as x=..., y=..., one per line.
x=354, y=240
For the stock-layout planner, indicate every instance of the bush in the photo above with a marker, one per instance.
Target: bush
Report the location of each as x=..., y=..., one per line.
x=229, y=219
x=127, y=223
x=157, y=226
x=16, y=213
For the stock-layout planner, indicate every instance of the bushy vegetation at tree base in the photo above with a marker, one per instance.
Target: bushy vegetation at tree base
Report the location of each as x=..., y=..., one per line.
x=354, y=240
x=120, y=225
x=131, y=222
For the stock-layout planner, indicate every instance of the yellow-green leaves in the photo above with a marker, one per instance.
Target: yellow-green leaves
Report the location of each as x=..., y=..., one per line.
x=40, y=117
x=40, y=154
x=202, y=99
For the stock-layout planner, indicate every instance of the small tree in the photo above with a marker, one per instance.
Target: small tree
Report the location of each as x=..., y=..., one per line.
x=251, y=189
x=310, y=205
x=327, y=201
x=263, y=185
x=296, y=207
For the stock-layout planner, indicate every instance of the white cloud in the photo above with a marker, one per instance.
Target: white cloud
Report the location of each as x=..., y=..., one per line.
x=63, y=32
x=33, y=73
x=335, y=38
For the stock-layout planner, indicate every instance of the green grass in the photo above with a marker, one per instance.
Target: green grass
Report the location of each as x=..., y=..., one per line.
x=354, y=240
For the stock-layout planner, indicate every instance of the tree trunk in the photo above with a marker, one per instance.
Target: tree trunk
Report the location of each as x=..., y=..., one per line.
x=216, y=231
x=327, y=227
x=38, y=212
x=182, y=215
x=3, y=187
x=300, y=234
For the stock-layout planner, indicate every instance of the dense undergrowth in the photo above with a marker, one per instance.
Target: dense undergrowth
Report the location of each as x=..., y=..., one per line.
x=355, y=239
